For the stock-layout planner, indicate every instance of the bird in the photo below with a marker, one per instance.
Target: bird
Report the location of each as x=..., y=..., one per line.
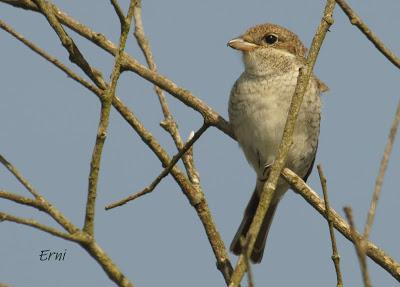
x=258, y=107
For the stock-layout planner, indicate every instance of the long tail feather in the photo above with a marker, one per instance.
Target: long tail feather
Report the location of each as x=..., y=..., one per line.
x=259, y=246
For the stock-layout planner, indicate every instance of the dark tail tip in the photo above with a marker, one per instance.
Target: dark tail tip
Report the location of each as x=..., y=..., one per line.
x=236, y=247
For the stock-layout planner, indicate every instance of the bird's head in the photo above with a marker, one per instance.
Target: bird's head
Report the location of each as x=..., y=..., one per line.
x=269, y=49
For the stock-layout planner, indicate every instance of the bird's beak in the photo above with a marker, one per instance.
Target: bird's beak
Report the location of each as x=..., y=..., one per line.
x=242, y=45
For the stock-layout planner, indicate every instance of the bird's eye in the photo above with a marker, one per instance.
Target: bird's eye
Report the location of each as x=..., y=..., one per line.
x=270, y=39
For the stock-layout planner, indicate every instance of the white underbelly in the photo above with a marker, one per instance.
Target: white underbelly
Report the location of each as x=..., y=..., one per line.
x=258, y=118
x=259, y=134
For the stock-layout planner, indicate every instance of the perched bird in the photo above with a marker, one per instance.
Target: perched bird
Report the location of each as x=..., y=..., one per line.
x=258, y=107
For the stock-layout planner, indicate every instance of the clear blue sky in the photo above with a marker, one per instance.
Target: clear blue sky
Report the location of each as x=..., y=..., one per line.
x=48, y=126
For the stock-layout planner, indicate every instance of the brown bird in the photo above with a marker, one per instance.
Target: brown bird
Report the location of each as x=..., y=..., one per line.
x=258, y=108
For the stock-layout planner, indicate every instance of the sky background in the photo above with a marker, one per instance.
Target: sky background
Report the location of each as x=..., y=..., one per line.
x=48, y=125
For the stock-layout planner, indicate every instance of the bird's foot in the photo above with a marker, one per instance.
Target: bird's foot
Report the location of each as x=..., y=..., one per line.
x=266, y=172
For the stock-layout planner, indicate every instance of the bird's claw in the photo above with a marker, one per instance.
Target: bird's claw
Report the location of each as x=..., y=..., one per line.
x=266, y=172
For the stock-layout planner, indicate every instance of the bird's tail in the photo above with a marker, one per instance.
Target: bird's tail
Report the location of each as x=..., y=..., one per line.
x=259, y=245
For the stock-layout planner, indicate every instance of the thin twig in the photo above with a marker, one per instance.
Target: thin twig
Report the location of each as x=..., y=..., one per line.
x=103, y=126
x=40, y=202
x=245, y=243
x=76, y=237
x=75, y=55
x=164, y=173
x=144, y=45
x=381, y=174
x=359, y=244
x=356, y=20
x=372, y=251
x=193, y=194
x=19, y=176
x=335, y=253
x=169, y=123
x=119, y=13
x=50, y=58
x=270, y=185
x=22, y=200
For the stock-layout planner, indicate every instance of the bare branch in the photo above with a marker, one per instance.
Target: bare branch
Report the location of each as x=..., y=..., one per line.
x=245, y=243
x=74, y=54
x=356, y=20
x=169, y=123
x=117, y=103
x=21, y=200
x=76, y=237
x=103, y=125
x=19, y=176
x=109, y=267
x=125, y=112
x=50, y=58
x=194, y=196
x=193, y=193
x=335, y=254
x=90, y=245
x=164, y=173
x=381, y=174
x=41, y=203
x=144, y=45
x=359, y=244
x=372, y=251
x=209, y=115
x=119, y=13
x=270, y=185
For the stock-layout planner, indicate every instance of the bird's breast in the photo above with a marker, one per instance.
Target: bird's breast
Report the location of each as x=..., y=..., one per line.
x=258, y=109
